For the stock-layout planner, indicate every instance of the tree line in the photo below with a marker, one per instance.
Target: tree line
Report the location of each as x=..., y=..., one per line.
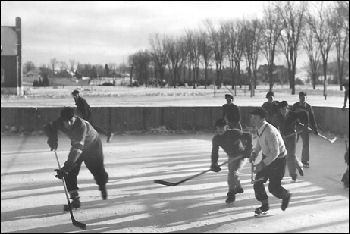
x=286, y=28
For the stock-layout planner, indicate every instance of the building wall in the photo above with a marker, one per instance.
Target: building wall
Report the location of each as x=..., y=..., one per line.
x=9, y=69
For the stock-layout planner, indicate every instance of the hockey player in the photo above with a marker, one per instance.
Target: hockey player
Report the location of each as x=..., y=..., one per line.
x=236, y=144
x=84, y=112
x=271, y=108
x=287, y=126
x=302, y=105
x=231, y=113
x=86, y=146
x=272, y=165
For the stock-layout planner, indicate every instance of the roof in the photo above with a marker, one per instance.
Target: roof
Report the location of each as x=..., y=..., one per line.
x=8, y=40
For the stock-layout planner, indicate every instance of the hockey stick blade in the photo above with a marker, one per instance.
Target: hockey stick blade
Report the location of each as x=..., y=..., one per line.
x=333, y=140
x=166, y=183
x=79, y=224
x=328, y=139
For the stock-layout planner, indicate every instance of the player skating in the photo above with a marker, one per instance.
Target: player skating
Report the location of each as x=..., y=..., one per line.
x=272, y=165
x=86, y=146
x=302, y=105
x=237, y=145
x=287, y=126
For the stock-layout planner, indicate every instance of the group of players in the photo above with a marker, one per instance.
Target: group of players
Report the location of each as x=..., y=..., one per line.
x=278, y=127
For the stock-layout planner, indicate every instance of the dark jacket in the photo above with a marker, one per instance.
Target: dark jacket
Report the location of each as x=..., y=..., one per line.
x=231, y=142
x=287, y=124
x=82, y=136
x=309, y=120
x=83, y=108
x=231, y=113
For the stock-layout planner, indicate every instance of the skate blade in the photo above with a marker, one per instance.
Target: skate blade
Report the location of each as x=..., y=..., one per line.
x=263, y=214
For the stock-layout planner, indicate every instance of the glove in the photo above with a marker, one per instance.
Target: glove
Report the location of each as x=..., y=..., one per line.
x=61, y=173
x=252, y=157
x=315, y=132
x=53, y=143
x=215, y=168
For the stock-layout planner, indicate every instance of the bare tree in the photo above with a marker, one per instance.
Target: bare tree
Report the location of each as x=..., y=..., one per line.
x=273, y=25
x=293, y=16
x=206, y=52
x=313, y=54
x=193, y=51
x=28, y=66
x=53, y=63
x=159, y=56
x=323, y=27
x=72, y=65
x=217, y=37
x=252, y=39
x=341, y=15
x=189, y=53
x=231, y=34
x=141, y=61
x=175, y=49
x=239, y=51
x=63, y=66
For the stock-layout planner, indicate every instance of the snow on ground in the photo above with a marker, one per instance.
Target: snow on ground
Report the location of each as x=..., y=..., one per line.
x=32, y=198
x=98, y=96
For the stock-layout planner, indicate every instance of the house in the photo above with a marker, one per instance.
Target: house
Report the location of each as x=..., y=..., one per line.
x=11, y=56
x=279, y=73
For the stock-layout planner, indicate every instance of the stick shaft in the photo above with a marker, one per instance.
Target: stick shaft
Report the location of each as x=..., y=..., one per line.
x=194, y=176
x=75, y=223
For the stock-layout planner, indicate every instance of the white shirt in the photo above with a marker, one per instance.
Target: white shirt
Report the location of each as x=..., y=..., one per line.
x=270, y=142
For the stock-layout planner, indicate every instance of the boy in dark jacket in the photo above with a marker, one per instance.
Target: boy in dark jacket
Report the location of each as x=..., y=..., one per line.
x=231, y=113
x=86, y=146
x=84, y=112
x=236, y=144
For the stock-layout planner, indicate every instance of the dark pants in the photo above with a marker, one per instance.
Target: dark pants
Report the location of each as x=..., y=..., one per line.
x=306, y=140
x=274, y=173
x=292, y=161
x=93, y=159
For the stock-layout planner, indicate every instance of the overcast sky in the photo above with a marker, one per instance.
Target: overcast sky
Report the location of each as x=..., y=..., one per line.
x=107, y=32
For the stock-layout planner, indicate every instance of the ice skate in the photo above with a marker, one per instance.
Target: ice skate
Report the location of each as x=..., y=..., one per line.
x=103, y=190
x=285, y=201
x=261, y=211
x=75, y=204
x=231, y=197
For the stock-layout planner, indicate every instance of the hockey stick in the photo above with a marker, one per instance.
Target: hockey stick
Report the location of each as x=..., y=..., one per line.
x=166, y=183
x=323, y=136
x=328, y=139
x=75, y=222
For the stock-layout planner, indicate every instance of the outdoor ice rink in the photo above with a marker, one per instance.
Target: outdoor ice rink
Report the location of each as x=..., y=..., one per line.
x=32, y=198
